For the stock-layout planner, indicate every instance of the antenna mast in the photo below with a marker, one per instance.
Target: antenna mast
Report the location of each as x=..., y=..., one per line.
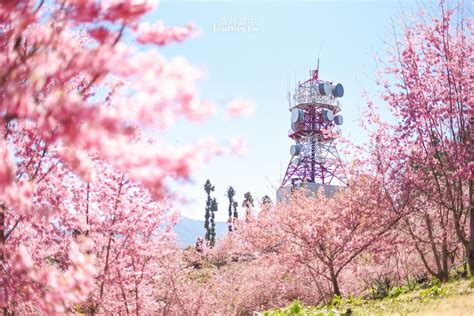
x=315, y=120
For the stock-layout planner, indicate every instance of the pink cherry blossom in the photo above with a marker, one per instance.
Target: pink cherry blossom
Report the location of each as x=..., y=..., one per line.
x=238, y=147
x=240, y=107
x=158, y=34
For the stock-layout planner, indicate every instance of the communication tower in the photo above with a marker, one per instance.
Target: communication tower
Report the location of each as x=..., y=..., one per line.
x=315, y=126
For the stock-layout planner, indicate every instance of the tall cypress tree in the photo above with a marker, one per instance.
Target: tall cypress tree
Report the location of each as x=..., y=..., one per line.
x=212, y=240
x=230, y=196
x=266, y=200
x=266, y=203
x=248, y=200
x=235, y=205
x=208, y=187
x=248, y=204
x=235, y=215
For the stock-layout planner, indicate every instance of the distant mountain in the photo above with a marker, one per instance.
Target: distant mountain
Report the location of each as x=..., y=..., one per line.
x=188, y=230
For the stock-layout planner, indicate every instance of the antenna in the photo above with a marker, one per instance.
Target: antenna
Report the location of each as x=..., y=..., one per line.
x=317, y=68
x=295, y=80
x=289, y=94
x=289, y=75
x=319, y=53
x=315, y=73
x=316, y=76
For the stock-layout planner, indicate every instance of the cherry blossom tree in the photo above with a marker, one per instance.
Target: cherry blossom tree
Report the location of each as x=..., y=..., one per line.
x=426, y=84
x=76, y=99
x=319, y=239
x=426, y=228
x=132, y=235
x=329, y=233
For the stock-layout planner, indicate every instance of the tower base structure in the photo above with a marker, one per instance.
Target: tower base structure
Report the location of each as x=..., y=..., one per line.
x=311, y=188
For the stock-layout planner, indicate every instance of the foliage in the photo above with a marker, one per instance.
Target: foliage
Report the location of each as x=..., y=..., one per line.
x=447, y=300
x=396, y=291
x=381, y=287
x=433, y=291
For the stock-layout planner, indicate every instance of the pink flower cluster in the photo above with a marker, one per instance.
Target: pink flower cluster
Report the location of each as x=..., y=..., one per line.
x=158, y=34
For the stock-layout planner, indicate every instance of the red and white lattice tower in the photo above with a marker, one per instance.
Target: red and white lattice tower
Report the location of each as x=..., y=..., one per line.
x=315, y=120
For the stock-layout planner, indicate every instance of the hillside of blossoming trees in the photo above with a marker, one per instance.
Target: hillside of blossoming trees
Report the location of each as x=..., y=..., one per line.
x=87, y=228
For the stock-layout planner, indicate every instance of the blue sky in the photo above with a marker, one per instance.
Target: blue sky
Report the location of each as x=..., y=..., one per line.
x=283, y=43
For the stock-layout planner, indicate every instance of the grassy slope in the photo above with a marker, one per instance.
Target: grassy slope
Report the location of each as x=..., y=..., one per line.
x=454, y=298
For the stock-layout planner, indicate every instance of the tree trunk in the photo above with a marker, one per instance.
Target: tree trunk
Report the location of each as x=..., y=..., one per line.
x=470, y=254
x=335, y=284
x=445, y=264
x=470, y=250
x=2, y=258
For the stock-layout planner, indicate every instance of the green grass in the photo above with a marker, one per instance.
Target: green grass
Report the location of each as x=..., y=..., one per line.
x=452, y=298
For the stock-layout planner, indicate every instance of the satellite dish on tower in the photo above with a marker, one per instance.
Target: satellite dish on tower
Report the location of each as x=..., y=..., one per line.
x=338, y=119
x=295, y=150
x=324, y=88
x=296, y=127
x=328, y=115
x=297, y=115
x=337, y=90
